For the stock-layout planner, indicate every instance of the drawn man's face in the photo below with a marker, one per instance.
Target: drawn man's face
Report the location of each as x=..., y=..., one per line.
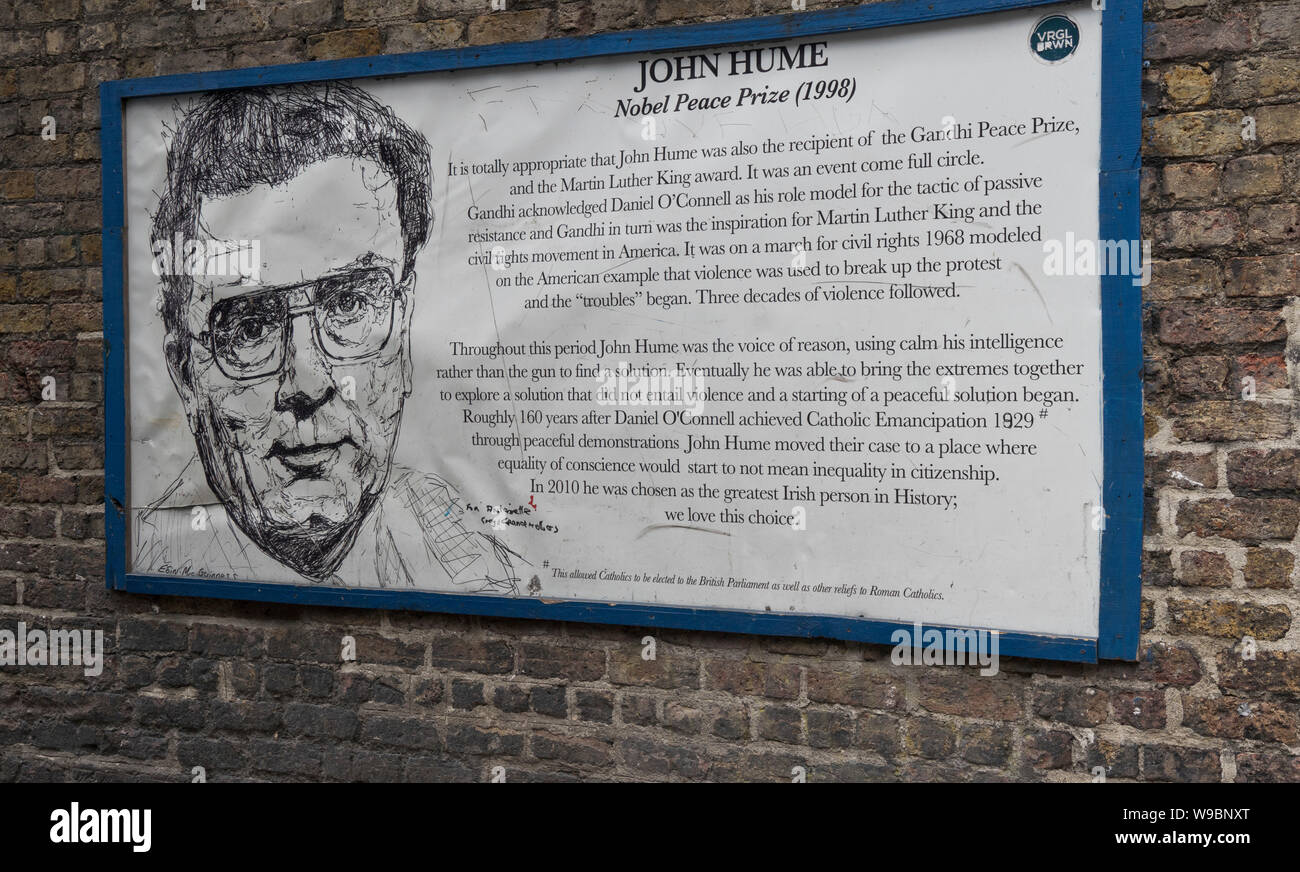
x=296, y=383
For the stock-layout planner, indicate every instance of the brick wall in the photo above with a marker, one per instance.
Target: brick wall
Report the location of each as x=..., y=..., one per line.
x=257, y=691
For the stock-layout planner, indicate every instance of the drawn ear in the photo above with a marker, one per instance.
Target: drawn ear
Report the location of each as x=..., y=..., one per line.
x=176, y=351
x=408, y=306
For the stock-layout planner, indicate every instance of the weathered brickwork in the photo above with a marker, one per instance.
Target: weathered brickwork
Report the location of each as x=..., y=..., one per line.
x=258, y=691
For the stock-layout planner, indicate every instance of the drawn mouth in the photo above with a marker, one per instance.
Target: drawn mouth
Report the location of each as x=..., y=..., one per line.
x=307, y=458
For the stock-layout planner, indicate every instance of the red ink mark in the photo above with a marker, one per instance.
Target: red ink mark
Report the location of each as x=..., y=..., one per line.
x=530, y=501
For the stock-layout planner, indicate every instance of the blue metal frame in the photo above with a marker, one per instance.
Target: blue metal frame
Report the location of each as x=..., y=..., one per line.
x=1121, y=328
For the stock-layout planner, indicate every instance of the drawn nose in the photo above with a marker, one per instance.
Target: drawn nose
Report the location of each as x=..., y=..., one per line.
x=305, y=383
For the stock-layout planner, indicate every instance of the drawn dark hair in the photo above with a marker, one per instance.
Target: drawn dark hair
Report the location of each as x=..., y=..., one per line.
x=231, y=141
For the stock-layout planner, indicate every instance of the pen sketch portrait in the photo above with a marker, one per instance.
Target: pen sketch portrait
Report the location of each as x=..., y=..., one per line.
x=285, y=239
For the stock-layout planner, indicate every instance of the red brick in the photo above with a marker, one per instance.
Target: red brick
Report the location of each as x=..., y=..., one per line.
x=1275, y=275
x=1048, y=749
x=1205, y=569
x=1172, y=763
x=508, y=26
x=1274, y=223
x=1231, y=718
x=1269, y=672
x=1267, y=370
x=1279, y=24
x=1191, y=326
x=667, y=670
x=1182, y=279
x=1269, y=568
x=1229, y=619
x=750, y=678
x=1144, y=709
x=1201, y=375
x=1197, y=38
x=344, y=44
x=1264, y=469
x=1278, y=124
x=1071, y=704
x=1267, y=768
x=1256, y=175
x=1242, y=519
x=854, y=686
x=1182, y=469
x=1230, y=420
x=964, y=692
x=1207, y=229
x=1192, y=182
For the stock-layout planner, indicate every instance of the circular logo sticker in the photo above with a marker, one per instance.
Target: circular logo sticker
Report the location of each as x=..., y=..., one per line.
x=1054, y=38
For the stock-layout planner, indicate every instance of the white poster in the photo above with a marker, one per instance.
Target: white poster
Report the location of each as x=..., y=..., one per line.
x=770, y=327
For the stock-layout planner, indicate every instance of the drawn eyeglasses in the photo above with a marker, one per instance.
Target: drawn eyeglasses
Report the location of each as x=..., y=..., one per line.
x=351, y=312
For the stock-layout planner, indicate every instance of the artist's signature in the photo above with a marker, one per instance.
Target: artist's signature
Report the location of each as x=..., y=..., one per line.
x=502, y=516
x=187, y=569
